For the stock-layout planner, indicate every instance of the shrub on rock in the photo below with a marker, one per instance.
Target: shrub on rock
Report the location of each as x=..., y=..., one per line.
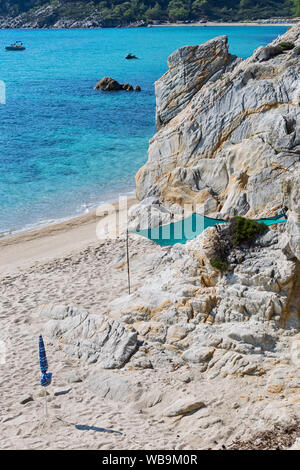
x=286, y=46
x=246, y=230
x=219, y=264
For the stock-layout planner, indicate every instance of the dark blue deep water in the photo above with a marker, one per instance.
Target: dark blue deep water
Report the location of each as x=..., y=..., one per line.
x=64, y=147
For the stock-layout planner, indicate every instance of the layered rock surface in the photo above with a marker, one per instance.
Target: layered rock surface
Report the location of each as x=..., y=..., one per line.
x=228, y=143
x=228, y=133
x=291, y=191
x=190, y=68
x=92, y=338
x=228, y=323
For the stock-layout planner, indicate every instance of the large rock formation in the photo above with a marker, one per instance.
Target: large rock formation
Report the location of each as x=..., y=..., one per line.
x=227, y=131
x=189, y=69
x=228, y=323
x=229, y=136
x=228, y=142
x=91, y=338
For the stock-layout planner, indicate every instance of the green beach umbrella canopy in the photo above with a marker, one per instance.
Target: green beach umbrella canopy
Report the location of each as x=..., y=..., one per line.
x=190, y=228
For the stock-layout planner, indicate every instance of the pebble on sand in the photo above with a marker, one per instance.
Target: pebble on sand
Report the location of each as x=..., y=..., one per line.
x=62, y=391
x=25, y=399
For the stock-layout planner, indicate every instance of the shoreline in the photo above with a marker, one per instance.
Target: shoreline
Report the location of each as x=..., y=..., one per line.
x=54, y=240
x=212, y=23
x=9, y=233
x=164, y=25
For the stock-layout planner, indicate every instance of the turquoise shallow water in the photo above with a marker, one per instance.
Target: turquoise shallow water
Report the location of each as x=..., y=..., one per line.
x=64, y=147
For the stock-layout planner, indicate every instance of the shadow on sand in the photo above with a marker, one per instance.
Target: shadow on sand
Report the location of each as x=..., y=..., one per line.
x=86, y=427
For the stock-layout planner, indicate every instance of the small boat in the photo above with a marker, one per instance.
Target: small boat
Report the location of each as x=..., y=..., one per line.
x=130, y=56
x=17, y=46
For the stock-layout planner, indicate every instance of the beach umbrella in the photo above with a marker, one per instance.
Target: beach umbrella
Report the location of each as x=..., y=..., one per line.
x=45, y=377
x=127, y=259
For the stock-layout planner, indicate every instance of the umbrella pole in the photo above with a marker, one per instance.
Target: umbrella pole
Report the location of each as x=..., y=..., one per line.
x=46, y=408
x=128, y=268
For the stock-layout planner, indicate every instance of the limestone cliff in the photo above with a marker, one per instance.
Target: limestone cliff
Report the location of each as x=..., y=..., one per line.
x=228, y=142
x=190, y=68
x=228, y=130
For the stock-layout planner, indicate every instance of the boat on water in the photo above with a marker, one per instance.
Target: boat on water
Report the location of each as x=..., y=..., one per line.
x=17, y=46
x=130, y=56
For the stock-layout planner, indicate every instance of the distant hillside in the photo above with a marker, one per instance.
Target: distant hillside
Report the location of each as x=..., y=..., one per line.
x=114, y=12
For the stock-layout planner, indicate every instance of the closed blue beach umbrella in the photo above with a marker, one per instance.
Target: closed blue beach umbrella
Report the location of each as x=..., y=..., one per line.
x=45, y=377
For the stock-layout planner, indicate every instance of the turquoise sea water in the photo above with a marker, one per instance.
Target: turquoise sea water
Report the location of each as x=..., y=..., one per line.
x=64, y=147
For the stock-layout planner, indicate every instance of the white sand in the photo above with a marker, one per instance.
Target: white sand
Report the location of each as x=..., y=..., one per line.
x=53, y=240
x=66, y=264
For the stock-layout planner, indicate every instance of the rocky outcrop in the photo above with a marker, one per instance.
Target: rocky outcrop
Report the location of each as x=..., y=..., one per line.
x=197, y=347
x=221, y=323
x=233, y=323
x=231, y=137
x=49, y=17
x=91, y=338
x=109, y=386
x=229, y=144
x=54, y=16
x=190, y=67
x=291, y=191
x=61, y=15
x=109, y=84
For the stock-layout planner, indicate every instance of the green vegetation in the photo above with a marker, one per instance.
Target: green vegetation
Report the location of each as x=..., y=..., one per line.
x=296, y=8
x=125, y=11
x=246, y=230
x=219, y=264
x=286, y=46
x=240, y=232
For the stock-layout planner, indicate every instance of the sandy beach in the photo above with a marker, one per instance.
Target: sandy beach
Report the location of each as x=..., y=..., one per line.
x=66, y=264
x=54, y=240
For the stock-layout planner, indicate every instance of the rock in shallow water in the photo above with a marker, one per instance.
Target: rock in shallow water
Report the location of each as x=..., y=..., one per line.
x=109, y=84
